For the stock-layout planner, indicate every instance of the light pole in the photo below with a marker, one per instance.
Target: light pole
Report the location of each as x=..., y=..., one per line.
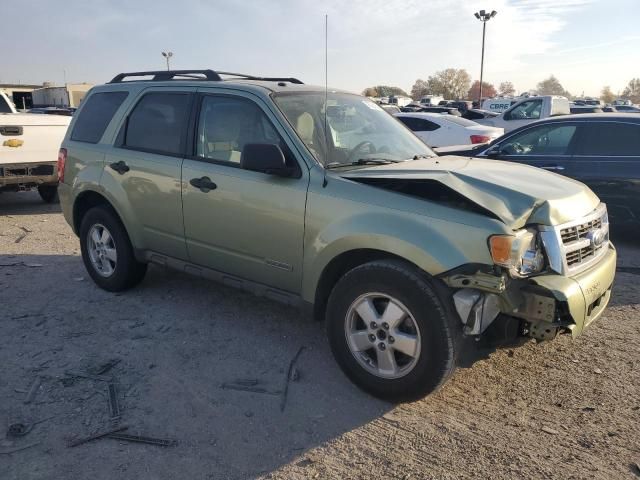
x=167, y=56
x=484, y=17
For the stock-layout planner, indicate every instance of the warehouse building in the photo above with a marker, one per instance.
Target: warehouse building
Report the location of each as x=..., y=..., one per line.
x=19, y=94
x=69, y=95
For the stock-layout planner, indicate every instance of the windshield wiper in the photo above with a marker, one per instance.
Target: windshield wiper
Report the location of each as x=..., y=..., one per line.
x=363, y=161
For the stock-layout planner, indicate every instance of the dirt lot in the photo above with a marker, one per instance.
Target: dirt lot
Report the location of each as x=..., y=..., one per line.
x=565, y=409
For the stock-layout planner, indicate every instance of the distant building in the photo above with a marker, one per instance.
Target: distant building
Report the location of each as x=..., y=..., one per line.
x=20, y=94
x=68, y=96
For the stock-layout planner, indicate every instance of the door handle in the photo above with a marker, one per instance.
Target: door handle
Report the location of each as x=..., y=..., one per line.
x=555, y=168
x=204, y=184
x=120, y=167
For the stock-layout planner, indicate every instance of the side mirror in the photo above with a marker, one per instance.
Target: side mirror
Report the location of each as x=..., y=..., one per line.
x=266, y=158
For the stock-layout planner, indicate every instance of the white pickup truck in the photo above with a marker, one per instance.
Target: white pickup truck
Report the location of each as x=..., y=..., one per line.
x=29, y=145
x=529, y=110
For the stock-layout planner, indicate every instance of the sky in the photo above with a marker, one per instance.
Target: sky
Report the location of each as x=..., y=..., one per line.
x=586, y=44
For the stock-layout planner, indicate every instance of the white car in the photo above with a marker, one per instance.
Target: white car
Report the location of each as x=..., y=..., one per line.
x=441, y=130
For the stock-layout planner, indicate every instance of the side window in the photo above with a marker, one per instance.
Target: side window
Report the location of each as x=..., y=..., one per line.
x=95, y=116
x=158, y=122
x=226, y=125
x=529, y=110
x=611, y=139
x=543, y=140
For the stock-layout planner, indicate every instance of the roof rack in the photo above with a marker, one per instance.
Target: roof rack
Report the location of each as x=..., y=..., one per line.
x=211, y=75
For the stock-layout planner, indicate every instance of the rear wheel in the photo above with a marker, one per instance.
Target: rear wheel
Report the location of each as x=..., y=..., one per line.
x=48, y=193
x=107, y=252
x=390, y=331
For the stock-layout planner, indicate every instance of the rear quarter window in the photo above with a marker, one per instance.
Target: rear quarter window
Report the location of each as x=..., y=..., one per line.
x=95, y=116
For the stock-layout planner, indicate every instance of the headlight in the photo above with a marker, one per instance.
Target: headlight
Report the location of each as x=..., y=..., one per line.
x=520, y=253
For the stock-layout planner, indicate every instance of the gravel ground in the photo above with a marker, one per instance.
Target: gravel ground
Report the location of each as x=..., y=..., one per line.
x=563, y=409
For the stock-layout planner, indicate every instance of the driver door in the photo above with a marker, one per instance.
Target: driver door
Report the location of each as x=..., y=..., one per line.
x=548, y=146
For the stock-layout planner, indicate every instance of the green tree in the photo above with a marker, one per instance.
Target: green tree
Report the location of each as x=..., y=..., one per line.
x=607, y=96
x=370, y=92
x=383, y=91
x=552, y=86
x=632, y=90
x=488, y=90
x=450, y=83
x=506, y=89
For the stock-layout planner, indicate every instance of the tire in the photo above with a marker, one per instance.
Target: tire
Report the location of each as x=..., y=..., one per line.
x=119, y=270
x=49, y=193
x=428, y=323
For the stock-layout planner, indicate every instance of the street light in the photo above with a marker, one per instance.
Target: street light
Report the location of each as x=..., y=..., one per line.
x=167, y=56
x=484, y=17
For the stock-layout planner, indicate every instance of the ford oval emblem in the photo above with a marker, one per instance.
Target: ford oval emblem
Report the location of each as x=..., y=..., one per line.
x=596, y=237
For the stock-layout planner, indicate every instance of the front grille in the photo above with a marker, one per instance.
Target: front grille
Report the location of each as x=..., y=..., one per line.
x=571, y=234
x=576, y=245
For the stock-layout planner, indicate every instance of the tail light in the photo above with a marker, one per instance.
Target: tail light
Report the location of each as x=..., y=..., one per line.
x=480, y=138
x=62, y=161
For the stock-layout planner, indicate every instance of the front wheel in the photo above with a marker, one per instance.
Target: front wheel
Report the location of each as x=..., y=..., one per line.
x=48, y=193
x=390, y=331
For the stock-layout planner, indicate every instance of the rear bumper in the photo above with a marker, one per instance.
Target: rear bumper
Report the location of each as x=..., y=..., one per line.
x=18, y=176
x=583, y=297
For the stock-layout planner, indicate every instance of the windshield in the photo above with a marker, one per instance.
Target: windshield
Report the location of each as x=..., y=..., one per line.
x=360, y=131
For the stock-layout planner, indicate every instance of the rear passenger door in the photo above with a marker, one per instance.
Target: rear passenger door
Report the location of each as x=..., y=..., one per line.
x=144, y=168
x=608, y=155
x=249, y=224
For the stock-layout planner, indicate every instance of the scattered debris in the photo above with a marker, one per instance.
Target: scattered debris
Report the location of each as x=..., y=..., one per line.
x=33, y=389
x=19, y=449
x=78, y=279
x=112, y=395
x=588, y=409
x=16, y=430
x=597, y=370
x=21, y=237
x=75, y=443
x=285, y=391
x=140, y=439
x=73, y=373
x=105, y=367
x=247, y=386
x=550, y=430
x=25, y=230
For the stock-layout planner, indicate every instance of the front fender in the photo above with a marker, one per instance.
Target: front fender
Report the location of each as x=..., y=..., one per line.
x=435, y=246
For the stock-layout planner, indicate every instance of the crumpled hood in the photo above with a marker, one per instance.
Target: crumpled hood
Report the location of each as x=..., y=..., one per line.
x=517, y=194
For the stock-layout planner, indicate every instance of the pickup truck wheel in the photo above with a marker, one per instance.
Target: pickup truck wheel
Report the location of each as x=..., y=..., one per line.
x=107, y=252
x=390, y=331
x=48, y=193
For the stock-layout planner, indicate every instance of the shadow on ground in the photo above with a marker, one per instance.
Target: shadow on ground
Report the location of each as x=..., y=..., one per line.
x=25, y=203
x=178, y=339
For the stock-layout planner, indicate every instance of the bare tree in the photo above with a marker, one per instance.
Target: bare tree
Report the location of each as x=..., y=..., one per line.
x=419, y=89
x=606, y=95
x=632, y=90
x=506, y=89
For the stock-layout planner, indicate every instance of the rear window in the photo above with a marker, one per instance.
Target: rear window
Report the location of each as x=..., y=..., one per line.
x=459, y=120
x=96, y=115
x=158, y=122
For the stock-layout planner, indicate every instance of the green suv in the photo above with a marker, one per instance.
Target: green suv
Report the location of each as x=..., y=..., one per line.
x=323, y=200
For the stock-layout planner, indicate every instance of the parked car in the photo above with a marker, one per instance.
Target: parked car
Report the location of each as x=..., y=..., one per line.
x=462, y=105
x=477, y=114
x=28, y=152
x=412, y=107
x=391, y=108
x=609, y=109
x=627, y=109
x=529, y=110
x=437, y=130
x=586, y=108
x=404, y=255
x=442, y=110
x=498, y=104
x=601, y=150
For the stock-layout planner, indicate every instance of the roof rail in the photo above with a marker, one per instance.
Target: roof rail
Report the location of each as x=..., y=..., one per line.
x=211, y=75
x=160, y=75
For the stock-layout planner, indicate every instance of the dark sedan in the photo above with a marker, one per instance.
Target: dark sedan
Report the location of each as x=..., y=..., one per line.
x=601, y=150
